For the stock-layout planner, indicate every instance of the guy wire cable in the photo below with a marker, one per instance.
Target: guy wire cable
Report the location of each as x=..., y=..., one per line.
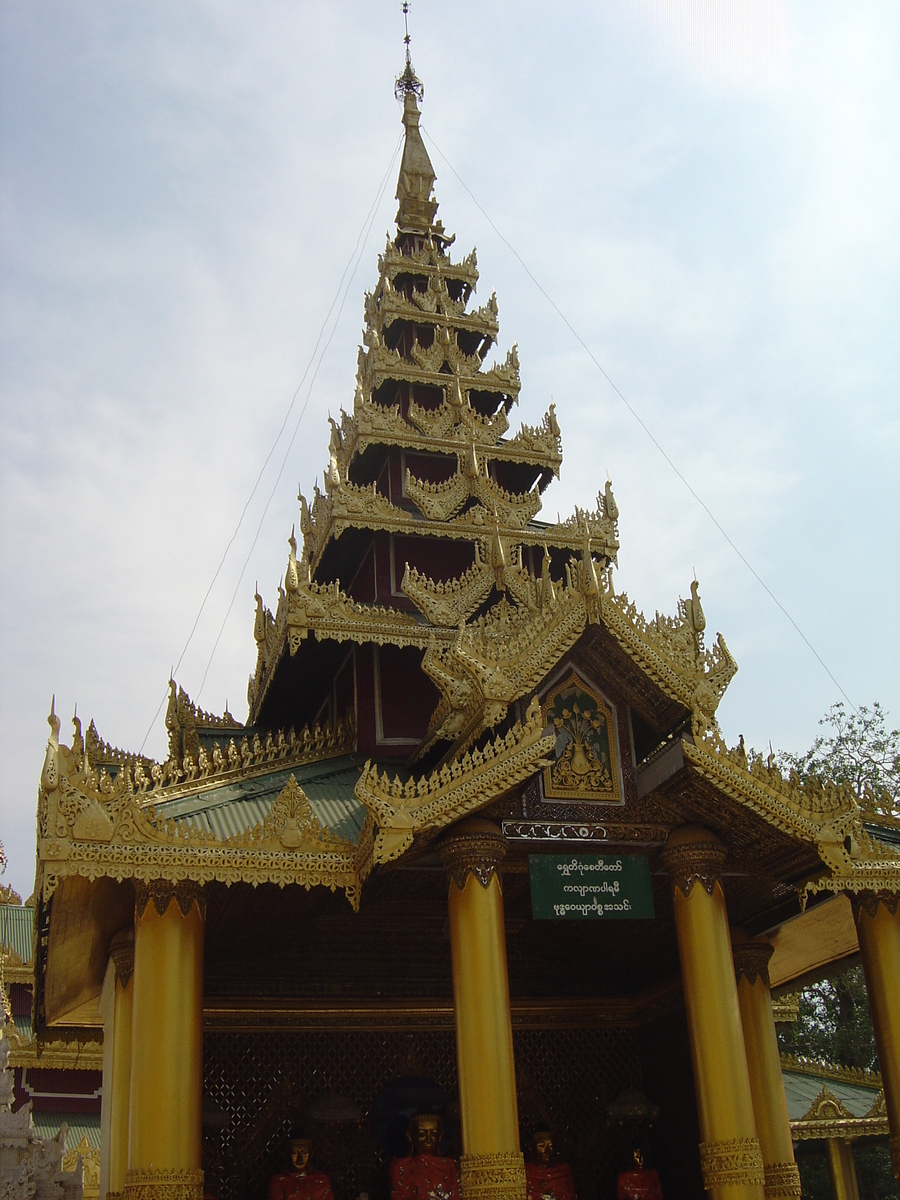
x=367, y=222
x=371, y=220
x=639, y=420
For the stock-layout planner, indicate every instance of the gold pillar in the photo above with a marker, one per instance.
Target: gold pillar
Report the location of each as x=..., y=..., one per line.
x=492, y=1166
x=773, y=1127
x=121, y=953
x=165, y=1114
x=878, y=926
x=729, y=1153
x=841, y=1168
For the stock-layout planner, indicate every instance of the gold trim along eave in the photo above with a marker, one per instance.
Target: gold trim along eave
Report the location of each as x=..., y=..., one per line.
x=826, y=816
x=94, y=832
x=400, y=810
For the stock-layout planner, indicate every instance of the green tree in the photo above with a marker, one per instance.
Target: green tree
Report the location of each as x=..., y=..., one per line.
x=834, y=1023
x=859, y=750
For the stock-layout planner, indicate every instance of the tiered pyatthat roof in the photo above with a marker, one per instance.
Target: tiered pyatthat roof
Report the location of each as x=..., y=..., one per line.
x=426, y=594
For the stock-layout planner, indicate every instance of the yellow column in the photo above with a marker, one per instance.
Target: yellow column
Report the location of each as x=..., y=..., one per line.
x=164, y=1134
x=729, y=1153
x=751, y=965
x=492, y=1166
x=121, y=953
x=841, y=1168
x=878, y=926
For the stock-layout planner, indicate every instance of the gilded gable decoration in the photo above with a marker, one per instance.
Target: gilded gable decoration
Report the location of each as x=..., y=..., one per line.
x=586, y=757
x=97, y=826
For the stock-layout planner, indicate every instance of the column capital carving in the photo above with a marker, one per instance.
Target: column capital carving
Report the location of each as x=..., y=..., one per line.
x=492, y=1176
x=121, y=952
x=153, y=1184
x=475, y=847
x=751, y=958
x=868, y=901
x=162, y=892
x=732, y=1163
x=692, y=854
x=782, y=1182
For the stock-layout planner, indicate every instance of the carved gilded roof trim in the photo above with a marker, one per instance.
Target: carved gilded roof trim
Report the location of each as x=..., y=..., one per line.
x=497, y=659
x=438, y=501
x=828, y=817
x=92, y=833
x=427, y=261
x=55, y=1055
x=444, y=351
x=458, y=423
x=351, y=507
x=377, y=364
x=387, y=305
x=441, y=501
x=247, y=759
x=828, y=1117
x=820, y=1068
x=402, y=809
x=376, y=424
x=449, y=603
x=14, y=970
x=776, y=807
x=695, y=677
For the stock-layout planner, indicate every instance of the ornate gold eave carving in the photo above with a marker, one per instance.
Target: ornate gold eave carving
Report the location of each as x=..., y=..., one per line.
x=828, y=817
x=401, y=810
x=92, y=833
x=428, y=262
x=350, y=506
x=828, y=1117
x=14, y=970
x=448, y=427
x=55, y=1055
x=434, y=306
x=821, y=1069
x=378, y=365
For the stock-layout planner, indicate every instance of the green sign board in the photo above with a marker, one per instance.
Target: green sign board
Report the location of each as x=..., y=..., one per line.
x=614, y=887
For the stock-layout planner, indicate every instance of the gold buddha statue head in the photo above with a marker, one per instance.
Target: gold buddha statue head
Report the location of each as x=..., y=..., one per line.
x=425, y=1132
x=542, y=1147
x=299, y=1152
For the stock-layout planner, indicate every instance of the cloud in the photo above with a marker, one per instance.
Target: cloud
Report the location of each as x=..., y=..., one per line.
x=737, y=43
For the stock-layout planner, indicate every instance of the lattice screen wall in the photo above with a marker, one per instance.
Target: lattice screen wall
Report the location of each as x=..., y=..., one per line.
x=261, y=1084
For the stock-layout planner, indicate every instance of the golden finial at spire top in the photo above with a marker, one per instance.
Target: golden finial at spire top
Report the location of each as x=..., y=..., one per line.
x=414, y=187
x=408, y=83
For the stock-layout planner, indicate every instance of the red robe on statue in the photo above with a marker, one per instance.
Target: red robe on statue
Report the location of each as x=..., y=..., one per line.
x=314, y=1185
x=549, y=1181
x=639, y=1185
x=424, y=1177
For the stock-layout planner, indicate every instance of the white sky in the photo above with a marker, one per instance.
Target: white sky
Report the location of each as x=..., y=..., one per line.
x=708, y=190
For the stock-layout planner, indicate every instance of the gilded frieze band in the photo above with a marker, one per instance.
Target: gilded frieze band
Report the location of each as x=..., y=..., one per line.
x=731, y=1163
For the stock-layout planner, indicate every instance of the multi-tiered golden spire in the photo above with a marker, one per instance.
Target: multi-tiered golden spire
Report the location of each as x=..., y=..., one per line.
x=424, y=476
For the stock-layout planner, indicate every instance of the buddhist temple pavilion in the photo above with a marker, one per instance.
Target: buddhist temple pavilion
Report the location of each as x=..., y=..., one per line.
x=479, y=834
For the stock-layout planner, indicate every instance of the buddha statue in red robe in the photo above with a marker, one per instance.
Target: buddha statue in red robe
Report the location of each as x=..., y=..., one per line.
x=639, y=1182
x=425, y=1174
x=545, y=1178
x=300, y=1182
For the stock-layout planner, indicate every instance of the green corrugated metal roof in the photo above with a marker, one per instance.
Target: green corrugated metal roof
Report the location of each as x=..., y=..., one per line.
x=236, y=807
x=16, y=925
x=47, y=1125
x=800, y=1091
x=884, y=833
